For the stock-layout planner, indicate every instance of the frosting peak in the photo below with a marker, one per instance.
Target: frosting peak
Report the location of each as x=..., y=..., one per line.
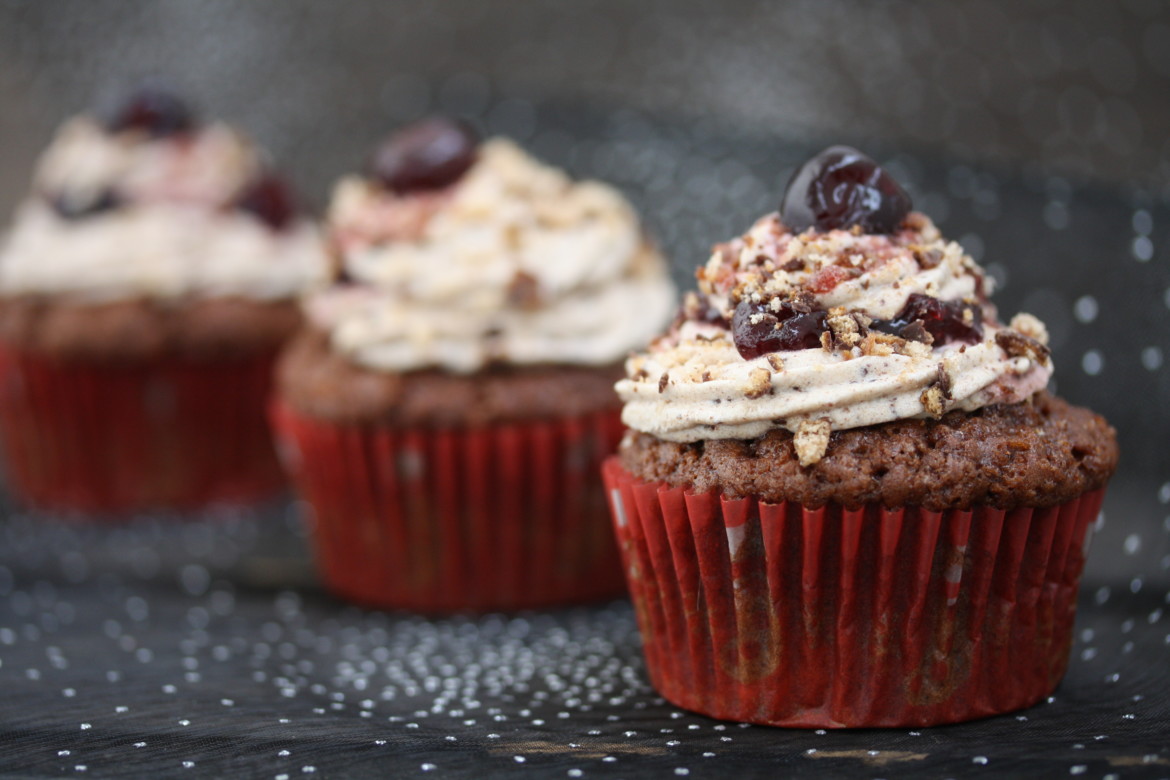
x=124, y=212
x=513, y=262
x=828, y=330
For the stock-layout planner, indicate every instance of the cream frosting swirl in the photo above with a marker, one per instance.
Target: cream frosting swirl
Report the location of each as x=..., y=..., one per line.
x=693, y=383
x=174, y=231
x=514, y=262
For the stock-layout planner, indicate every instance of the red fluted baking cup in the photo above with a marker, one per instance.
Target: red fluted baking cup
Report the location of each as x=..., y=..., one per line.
x=112, y=437
x=496, y=517
x=836, y=617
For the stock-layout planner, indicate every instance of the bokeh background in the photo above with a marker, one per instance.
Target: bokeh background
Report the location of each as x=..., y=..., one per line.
x=1037, y=133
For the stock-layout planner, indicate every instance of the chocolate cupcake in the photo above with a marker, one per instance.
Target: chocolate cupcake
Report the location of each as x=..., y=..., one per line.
x=448, y=407
x=145, y=287
x=846, y=498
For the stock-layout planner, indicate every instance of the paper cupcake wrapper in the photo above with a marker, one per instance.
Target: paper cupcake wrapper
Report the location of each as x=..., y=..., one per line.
x=115, y=437
x=496, y=517
x=835, y=617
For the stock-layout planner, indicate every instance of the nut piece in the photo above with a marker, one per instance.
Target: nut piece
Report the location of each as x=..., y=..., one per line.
x=1030, y=326
x=759, y=383
x=933, y=401
x=1018, y=345
x=846, y=329
x=812, y=440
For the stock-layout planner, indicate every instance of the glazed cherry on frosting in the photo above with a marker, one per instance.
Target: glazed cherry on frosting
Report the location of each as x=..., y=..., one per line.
x=155, y=110
x=945, y=321
x=840, y=188
x=758, y=330
x=427, y=155
x=271, y=200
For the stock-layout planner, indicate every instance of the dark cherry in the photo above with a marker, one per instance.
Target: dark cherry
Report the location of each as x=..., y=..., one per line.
x=155, y=110
x=945, y=321
x=427, y=155
x=271, y=200
x=788, y=329
x=840, y=188
x=72, y=207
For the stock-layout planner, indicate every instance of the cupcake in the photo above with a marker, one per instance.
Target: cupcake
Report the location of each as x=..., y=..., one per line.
x=146, y=285
x=846, y=498
x=447, y=409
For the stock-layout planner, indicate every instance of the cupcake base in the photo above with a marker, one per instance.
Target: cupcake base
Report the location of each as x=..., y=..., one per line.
x=111, y=437
x=841, y=617
x=476, y=518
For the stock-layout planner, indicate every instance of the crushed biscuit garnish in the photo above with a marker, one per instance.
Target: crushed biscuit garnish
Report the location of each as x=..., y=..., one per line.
x=933, y=401
x=759, y=383
x=812, y=440
x=1018, y=345
x=1031, y=327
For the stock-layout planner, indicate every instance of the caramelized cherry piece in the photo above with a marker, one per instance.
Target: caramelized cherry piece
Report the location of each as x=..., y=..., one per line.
x=271, y=200
x=427, y=155
x=788, y=329
x=945, y=321
x=71, y=207
x=153, y=109
x=840, y=188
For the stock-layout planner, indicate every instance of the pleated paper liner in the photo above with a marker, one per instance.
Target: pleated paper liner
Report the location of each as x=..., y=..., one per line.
x=107, y=438
x=498, y=517
x=833, y=617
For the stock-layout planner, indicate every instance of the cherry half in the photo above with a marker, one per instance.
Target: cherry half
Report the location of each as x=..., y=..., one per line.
x=840, y=188
x=271, y=200
x=426, y=155
x=945, y=321
x=156, y=110
x=774, y=331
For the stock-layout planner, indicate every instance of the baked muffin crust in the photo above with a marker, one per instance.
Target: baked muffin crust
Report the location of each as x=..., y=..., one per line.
x=1038, y=453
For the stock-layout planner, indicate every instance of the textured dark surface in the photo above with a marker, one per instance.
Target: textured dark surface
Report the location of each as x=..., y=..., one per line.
x=1033, y=133
x=1040, y=453
x=321, y=383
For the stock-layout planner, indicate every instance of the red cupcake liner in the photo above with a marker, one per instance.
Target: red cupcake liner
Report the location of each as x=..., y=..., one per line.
x=836, y=617
x=114, y=437
x=497, y=517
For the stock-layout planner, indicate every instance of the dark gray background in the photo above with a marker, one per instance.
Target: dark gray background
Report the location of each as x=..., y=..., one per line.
x=1036, y=133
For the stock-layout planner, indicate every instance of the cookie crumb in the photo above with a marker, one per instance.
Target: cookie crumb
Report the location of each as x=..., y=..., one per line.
x=1018, y=345
x=776, y=362
x=663, y=381
x=933, y=401
x=812, y=440
x=845, y=328
x=759, y=383
x=1030, y=326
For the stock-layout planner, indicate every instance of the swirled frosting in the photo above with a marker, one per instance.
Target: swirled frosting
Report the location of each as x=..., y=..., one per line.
x=869, y=360
x=514, y=262
x=165, y=223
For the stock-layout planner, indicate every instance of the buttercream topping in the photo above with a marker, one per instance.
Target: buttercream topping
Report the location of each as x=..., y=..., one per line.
x=170, y=230
x=514, y=262
x=694, y=383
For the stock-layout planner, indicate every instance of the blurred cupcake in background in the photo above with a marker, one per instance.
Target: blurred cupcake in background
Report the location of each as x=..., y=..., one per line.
x=146, y=285
x=448, y=407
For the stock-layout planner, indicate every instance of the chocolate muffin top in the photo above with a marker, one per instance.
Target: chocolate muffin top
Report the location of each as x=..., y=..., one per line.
x=1040, y=452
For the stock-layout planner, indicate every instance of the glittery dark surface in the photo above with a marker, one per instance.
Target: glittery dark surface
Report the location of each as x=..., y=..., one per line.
x=181, y=646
